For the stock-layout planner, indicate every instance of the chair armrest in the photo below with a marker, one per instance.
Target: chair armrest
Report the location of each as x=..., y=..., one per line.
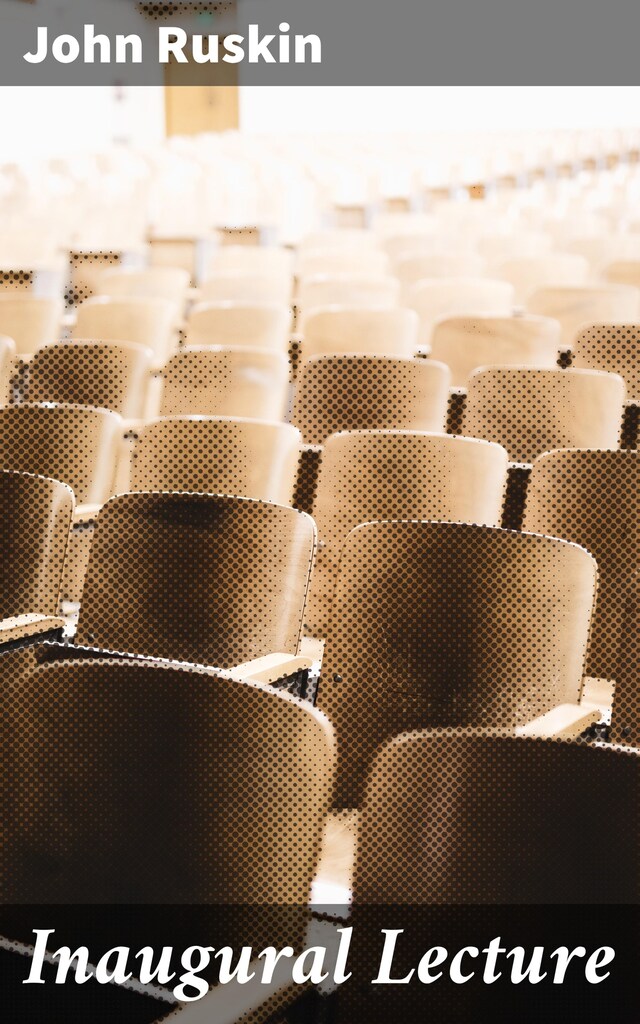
x=566, y=721
x=271, y=668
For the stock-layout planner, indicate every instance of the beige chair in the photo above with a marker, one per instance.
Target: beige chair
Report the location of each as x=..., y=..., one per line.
x=233, y=325
x=146, y=322
x=418, y=267
x=333, y=260
x=527, y=274
x=531, y=411
x=71, y=443
x=341, y=239
x=30, y=321
x=394, y=474
x=216, y=455
x=576, y=307
x=623, y=272
x=341, y=331
x=359, y=292
x=593, y=499
x=465, y=343
x=35, y=521
x=201, y=578
x=513, y=244
x=612, y=347
x=7, y=363
x=461, y=296
x=514, y=816
x=215, y=381
x=169, y=283
x=337, y=393
x=248, y=289
x=603, y=249
x=447, y=624
x=135, y=782
x=107, y=376
x=254, y=260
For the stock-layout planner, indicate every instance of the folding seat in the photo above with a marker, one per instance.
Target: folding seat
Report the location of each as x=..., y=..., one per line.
x=30, y=321
x=216, y=381
x=217, y=455
x=370, y=475
x=359, y=292
x=447, y=624
x=356, y=392
x=72, y=443
x=35, y=521
x=466, y=343
x=470, y=840
x=188, y=805
x=461, y=296
x=527, y=274
x=7, y=358
x=208, y=579
x=342, y=331
x=592, y=498
x=147, y=322
x=589, y=304
x=169, y=283
x=531, y=411
x=107, y=375
x=614, y=349
x=418, y=267
x=334, y=260
x=248, y=289
x=233, y=324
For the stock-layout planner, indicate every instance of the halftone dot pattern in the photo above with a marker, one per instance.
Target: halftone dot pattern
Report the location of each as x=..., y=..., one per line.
x=249, y=458
x=199, y=578
x=442, y=624
x=74, y=444
x=35, y=517
x=614, y=348
x=7, y=356
x=105, y=376
x=16, y=280
x=336, y=393
x=85, y=269
x=162, y=785
x=160, y=12
x=213, y=381
x=472, y=818
x=531, y=411
x=393, y=474
x=593, y=499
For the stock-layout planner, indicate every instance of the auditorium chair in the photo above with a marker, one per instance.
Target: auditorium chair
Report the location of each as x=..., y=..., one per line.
x=109, y=375
x=333, y=260
x=592, y=498
x=216, y=381
x=518, y=243
x=35, y=521
x=358, y=291
x=613, y=347
x=248, y=289
x=30, y=321
x=527, y=274
x=217, y=455
x=209, y=579
x=414, y=267
x=357, y=392
x=169, y=283
x=233, y=324
x=602, y=249
x=469, y=838
x=7, y=366
x=461, y=296
x=340, y=330
x=162, y=806
x=147, y=322
x=575, y=307
x=369, y=475
x=448, y=624
x=338, y=238
x=466, y=343
x=255, y=260
x=531, y=411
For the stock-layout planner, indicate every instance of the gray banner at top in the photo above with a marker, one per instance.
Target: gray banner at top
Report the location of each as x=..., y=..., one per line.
x=359, y=42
